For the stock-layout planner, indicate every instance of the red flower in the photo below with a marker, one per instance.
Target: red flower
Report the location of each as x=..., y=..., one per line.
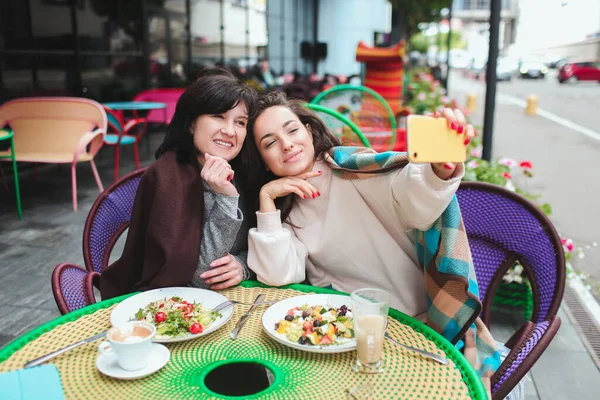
x=526, y=164
x=507, y=175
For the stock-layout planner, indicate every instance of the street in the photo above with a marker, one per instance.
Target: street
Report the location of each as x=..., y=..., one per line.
x=563, y=143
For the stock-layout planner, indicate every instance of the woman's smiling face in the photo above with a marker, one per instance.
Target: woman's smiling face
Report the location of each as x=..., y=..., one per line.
x=221, y=135
x=284, y=143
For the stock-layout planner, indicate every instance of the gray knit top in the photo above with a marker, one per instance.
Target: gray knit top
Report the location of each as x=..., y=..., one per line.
x=225, y=231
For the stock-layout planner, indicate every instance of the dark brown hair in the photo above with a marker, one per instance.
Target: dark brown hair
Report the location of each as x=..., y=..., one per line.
x=323, y=141
x=214, y=92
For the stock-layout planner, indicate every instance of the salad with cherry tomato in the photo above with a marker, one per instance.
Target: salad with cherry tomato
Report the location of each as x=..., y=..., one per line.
x=176, y=317
x=317, y=325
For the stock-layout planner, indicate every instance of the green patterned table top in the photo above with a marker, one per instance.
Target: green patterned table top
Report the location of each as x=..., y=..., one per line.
x=297, y=374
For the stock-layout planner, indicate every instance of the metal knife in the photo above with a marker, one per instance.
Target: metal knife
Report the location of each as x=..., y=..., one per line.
x=424, y=353
x=235, y=332
x=47, y=357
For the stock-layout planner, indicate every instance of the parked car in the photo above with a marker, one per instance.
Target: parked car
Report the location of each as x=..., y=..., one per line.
x=562, y=62
x=478, y=67
x=533, y=69
x=582, y=70
x=506, y=68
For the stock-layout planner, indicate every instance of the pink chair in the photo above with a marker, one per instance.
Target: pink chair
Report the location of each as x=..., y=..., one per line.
x=56, y=130
x=167, y=96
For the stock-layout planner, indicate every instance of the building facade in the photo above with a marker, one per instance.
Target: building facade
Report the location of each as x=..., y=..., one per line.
x=330, y=30
x=112, y=49
x=109, y=50
x=475, y=15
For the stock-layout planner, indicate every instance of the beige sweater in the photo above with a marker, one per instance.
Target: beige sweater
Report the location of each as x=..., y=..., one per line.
x=355, y=235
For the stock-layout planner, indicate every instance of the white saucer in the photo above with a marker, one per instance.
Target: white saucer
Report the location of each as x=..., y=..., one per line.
x=158, y=359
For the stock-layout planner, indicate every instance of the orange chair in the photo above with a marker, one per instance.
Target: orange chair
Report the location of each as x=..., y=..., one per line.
x=56, y=130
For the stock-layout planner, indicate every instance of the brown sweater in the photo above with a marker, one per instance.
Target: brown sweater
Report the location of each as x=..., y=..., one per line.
x=163, y=243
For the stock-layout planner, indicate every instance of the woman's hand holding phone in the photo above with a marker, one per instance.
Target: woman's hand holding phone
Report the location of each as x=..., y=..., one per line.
x=440, y=139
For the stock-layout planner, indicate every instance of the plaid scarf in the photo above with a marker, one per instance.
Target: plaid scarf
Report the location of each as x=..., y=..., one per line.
x=453, y=304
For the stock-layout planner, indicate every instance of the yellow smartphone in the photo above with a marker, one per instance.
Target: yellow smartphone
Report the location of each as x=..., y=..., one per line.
x=430, y=140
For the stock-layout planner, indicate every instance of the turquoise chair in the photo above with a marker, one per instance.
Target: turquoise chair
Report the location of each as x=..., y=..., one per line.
x=121, y=134
x=7, y=134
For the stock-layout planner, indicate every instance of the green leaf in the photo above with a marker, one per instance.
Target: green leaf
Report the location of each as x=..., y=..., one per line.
x=139, y=314
x=546, y=208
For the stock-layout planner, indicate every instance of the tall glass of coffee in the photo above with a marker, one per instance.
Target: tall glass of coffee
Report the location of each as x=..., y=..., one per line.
x=369, y=309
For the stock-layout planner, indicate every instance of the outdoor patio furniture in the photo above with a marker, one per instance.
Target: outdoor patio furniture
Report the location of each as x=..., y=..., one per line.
x=7, y=134
x=56, y=130
x=108, y=219
x=124, y=134
x=337, y=123
x=73, y=287
x=169, y=96
x=297, y=374
x=367, y=109
x=504, y=228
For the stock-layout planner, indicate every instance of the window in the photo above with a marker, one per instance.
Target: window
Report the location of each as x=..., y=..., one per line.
x=18, y=32
x=483, y=4
x=113, y=26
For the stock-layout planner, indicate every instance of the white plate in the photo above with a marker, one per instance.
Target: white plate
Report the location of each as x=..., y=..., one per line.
x=158, y=358
x=277, y=312
x=126, y=309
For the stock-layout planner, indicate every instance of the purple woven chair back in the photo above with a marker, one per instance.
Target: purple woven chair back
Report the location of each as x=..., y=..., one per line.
x=504, y=227
x=107, y=220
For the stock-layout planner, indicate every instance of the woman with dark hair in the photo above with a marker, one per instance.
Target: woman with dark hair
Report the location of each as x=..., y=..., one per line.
x=350, y=218
x=316, y=206
x=187, y=225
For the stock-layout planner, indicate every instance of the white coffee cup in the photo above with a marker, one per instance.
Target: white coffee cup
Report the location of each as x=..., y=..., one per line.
x=130, y=344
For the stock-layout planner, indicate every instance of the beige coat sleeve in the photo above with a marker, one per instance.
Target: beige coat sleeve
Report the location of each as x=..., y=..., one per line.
x=274, y=253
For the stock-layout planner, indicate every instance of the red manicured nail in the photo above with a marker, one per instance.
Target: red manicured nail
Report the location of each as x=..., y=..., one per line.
x=447, y=166
x=313, y=196
x=467, y=142
x=453, y=126
x=304, y=196
x=319, y=172
x=318, y=193
x=460, y=129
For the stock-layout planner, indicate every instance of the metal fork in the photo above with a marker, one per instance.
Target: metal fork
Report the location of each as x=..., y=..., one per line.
x=229, y=303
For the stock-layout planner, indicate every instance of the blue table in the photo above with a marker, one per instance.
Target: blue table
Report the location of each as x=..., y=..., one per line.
x=137, y=106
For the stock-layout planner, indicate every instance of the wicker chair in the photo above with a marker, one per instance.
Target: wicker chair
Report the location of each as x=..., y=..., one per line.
x=367, y=109
x=503, y=227
x=109, y=217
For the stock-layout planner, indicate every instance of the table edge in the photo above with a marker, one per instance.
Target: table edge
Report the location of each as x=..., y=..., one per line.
x=157, y=103
x=470, y=376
